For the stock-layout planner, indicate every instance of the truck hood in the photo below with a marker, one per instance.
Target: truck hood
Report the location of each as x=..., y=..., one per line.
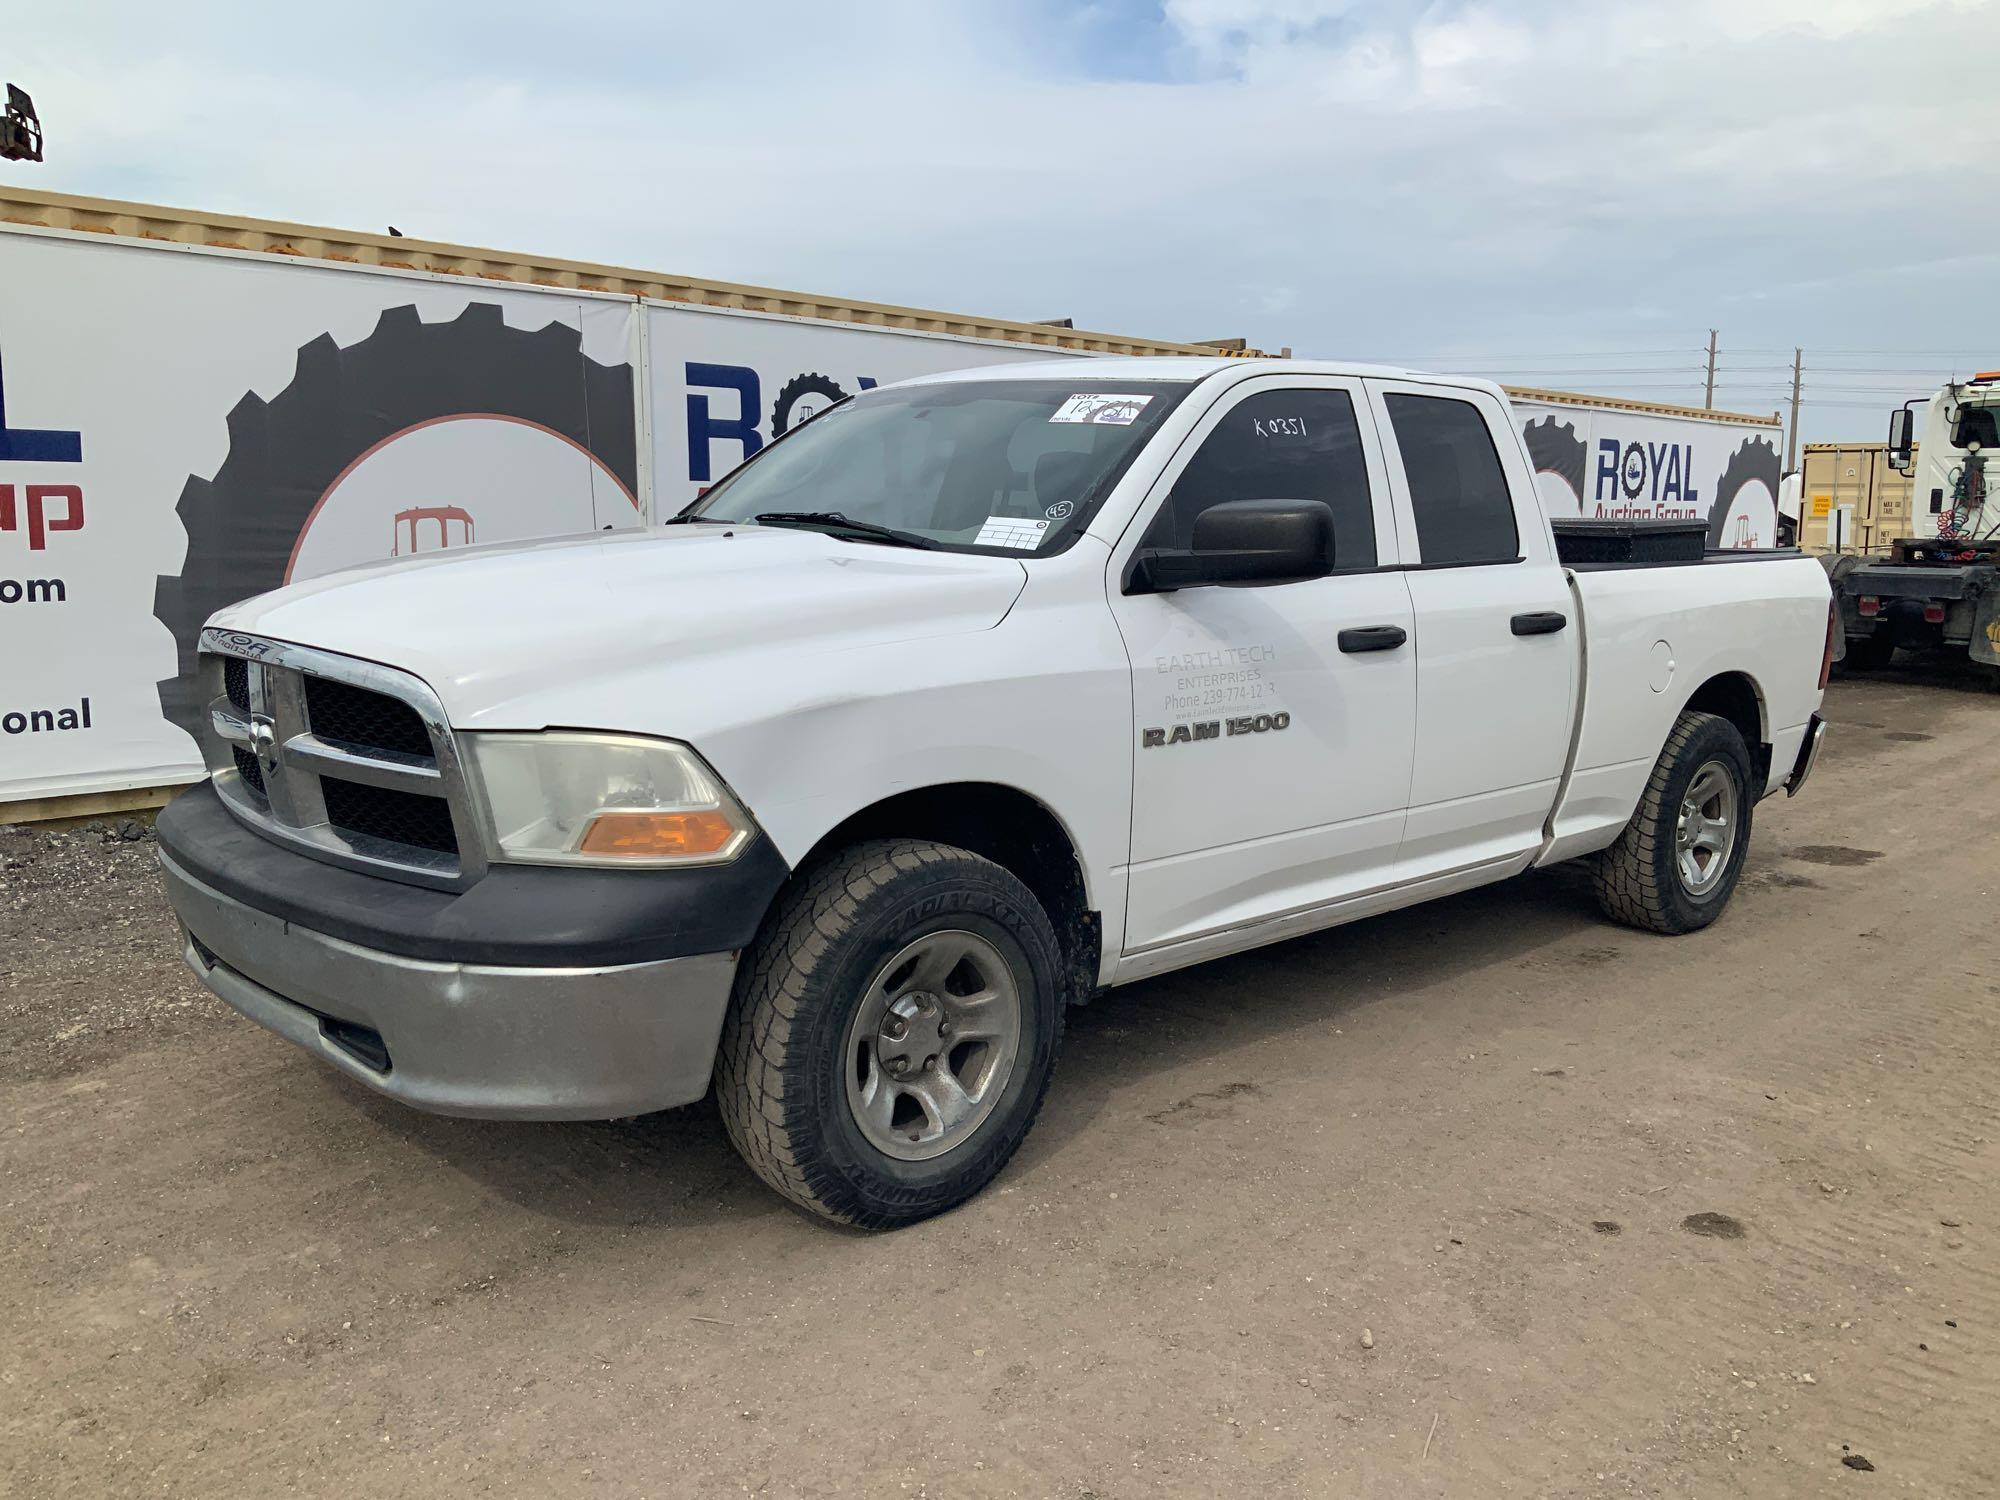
x=491, y=628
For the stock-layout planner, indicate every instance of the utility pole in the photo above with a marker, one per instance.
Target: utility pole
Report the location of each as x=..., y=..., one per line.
x=1708, y=395
x=1792, y=432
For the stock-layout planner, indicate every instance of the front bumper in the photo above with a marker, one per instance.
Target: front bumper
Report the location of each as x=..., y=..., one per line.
x=465, y=1039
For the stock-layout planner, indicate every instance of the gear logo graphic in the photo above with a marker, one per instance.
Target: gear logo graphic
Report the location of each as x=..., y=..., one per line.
x=408, y=384
x=1632, y=471
x=800, y=399
x=1560, y=458
x=1752, y=465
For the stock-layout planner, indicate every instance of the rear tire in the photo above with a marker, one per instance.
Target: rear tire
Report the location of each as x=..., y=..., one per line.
x=821, y=1104
x=1698, y=798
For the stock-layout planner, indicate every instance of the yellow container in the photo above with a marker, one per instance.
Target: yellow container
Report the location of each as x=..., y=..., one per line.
x=1854, y=482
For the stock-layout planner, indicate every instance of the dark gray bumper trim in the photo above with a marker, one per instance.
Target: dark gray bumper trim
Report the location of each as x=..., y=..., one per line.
x=468, y=1039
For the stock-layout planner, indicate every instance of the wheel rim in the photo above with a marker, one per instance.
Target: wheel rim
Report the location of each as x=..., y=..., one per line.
x=1705, y=835
x=932, y=1045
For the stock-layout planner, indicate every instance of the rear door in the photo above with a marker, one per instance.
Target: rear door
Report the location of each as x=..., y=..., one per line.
x=1496, y=634
x=1272, y=724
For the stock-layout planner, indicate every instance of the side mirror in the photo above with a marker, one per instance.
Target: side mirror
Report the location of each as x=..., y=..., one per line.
x=1902, y=438
x=1242, y=541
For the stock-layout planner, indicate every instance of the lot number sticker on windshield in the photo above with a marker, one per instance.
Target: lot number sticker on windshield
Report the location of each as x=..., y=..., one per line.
x=1022, y=533
x=1111, y=411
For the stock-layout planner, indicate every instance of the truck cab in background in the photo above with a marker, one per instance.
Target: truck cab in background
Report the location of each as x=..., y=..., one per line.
x=1940, y=586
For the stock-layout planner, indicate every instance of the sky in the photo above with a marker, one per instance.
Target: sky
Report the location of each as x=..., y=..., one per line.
x=1552, y=192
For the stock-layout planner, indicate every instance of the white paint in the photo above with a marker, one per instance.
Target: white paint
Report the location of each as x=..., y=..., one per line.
x=1232, y=830
x=1660, y=675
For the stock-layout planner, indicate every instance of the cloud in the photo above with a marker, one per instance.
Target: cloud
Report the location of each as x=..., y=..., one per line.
x=1349, y=177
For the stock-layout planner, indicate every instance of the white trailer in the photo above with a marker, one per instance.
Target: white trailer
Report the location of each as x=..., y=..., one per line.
x=197, y=409
x=1611, y=460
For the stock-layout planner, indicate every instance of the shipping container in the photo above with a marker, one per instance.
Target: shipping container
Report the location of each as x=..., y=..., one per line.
x=1850, y=500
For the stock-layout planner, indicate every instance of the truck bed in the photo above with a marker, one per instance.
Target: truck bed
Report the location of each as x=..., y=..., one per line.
x=1711, y=558
x=1653, y=633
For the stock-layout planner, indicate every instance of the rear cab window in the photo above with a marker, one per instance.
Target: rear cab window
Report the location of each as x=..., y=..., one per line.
x=1459, y=495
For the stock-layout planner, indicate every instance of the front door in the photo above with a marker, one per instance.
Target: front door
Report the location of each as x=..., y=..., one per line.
x=1273, y=724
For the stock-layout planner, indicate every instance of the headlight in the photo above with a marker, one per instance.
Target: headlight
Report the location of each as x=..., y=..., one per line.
x=566, y=798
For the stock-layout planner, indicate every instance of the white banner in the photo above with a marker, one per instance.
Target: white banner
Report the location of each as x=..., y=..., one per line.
x=1607, y=464
x=182, y=427
x=726, y=383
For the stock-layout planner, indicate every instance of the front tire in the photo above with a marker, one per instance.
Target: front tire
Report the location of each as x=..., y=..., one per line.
x=1676, y=864
x=893, y=1033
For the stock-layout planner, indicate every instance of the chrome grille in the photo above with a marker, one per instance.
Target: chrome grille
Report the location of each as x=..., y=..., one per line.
x=236, y=683
x=348, y=760
x=368, y=721
x=248, y=769
x=394, y=817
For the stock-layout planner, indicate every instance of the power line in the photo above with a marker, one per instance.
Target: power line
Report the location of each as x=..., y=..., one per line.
x=1986, y=353
x=1836, y=385
x=1537, y=354
x=1631, y=385
x=1926, y=371
x=1683, y=374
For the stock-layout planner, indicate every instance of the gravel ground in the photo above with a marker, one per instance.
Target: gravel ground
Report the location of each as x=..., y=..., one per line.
x=1484, y=1198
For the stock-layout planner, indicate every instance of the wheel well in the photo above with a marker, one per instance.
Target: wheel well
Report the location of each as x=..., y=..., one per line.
x=1733, y=696
x=1010, y=828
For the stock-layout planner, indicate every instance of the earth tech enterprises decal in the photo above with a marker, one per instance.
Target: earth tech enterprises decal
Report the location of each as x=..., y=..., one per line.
x=1615, y=466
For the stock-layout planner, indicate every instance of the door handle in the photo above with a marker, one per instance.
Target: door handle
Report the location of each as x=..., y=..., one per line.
x=1372, y=638
x=1541, y=622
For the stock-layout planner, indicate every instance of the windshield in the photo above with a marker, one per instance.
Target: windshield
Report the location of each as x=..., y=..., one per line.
x=1002, y=465
x=1976, y=424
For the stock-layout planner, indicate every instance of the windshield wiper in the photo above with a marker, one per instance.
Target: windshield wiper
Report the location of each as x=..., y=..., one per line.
x=688, y=518
x=833, y=520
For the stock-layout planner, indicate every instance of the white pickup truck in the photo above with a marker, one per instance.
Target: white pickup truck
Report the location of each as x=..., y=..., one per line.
x=965, y=699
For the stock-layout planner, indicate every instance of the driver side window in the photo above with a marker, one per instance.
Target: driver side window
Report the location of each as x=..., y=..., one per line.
x=1279, y=445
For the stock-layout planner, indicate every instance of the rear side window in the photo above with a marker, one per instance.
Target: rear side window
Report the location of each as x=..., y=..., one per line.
x=1464, y=511
x=1280, y=445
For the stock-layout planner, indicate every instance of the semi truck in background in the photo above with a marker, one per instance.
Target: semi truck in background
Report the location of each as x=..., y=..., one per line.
x=1939, y=587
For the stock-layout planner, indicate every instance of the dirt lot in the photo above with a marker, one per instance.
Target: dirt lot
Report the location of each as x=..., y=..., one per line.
x=1485, y=1198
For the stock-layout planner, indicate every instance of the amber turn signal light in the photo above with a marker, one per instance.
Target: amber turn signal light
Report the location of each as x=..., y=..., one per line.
x=658, y=835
